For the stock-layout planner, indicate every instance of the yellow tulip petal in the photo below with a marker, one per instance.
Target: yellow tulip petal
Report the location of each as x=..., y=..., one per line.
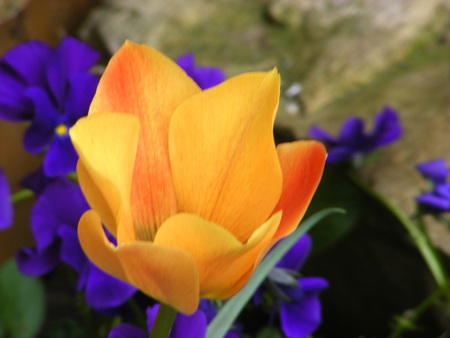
x=302, y=163
x=169, y=275
x=224, y=163
x=97, y=247
x=141, y=81
x=106, y=144
x=166, y=274
x=224, y=263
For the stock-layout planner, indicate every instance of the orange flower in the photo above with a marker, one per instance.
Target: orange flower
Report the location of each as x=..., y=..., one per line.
x=188, y=181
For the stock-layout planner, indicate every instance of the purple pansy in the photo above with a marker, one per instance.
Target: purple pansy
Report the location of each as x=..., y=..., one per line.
x=51, y=88
x=438, y=199
x=6, y=209
x=205, y=77
x=353, y=140
x=436, y=170
x=297, y=298
x=54, y=221
x=184, y=326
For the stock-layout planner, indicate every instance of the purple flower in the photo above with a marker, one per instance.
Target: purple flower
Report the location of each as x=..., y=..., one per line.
x=52, y=88
x=6, y=209
x=436, y=171
x=54, y=221
x=193, y=326
x=205, y=77
x=184, y=326
x=438, y=199
x=297, y=298
x=353, y=140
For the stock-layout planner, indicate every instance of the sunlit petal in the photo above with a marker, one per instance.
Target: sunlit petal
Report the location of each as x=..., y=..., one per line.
x=143, y=82
x=224, y=263
x=106, y=144
x=224, y=163
x=302, y=163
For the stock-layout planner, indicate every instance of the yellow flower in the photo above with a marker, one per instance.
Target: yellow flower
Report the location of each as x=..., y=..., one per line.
x=188, y=181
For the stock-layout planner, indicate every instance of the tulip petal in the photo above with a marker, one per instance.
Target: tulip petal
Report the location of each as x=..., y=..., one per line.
x=141, y=81
x=221, y=147
x=224, y=263
x=106, y=144
x=169, y=275
x=97, y=247
x=166, y=274
x=302, y=163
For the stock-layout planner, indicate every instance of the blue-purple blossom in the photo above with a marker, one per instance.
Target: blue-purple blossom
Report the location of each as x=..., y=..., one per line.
x=6, y=209
x=297, y=299
x=184, y=326
x=52, y=89
x=54, y=221
x=436, y=171
x=205, y=77
x=438, y=199
x=354, y=140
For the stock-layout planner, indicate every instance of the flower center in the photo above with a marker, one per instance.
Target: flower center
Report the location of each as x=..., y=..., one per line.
x=61, y=130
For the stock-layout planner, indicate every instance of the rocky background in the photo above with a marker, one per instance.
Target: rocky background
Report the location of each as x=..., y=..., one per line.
x=337, y=58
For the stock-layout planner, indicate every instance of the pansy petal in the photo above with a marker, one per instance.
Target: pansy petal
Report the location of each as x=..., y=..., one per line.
x=125, y=330
x=297, y=254
x=105, y=291
x=141, y=81
x=79, y=96
x=61, y=203
x=302, y=163
x=32, y=263
x=70, y=57
x=221, y=146
x=61, y=157
x=42, y=128
x=14, y=106
x=106, y=144
x=6, y=208
x=217, y=250
x=387, y=128
x=29, y=60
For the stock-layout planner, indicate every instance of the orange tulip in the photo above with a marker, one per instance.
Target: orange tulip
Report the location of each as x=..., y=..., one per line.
x=189, y=182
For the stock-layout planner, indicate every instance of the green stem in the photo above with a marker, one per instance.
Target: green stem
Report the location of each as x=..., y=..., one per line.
x=420, y=238
x=407, y=322
x=21, y=195
x=164, y=321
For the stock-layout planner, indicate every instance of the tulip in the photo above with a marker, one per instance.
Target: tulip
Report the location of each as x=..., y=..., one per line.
x=189, y=182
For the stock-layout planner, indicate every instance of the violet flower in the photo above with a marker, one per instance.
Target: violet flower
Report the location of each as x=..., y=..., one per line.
x=193, y=326
x=52, y=89
x=353, y=140
x=6, y=209
x=54, y=221
x=296, y=298
x=205, y=77
x=438, y=199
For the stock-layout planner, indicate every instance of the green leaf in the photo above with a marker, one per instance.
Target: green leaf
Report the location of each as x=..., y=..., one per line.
x=21, y=303
x=229, y=312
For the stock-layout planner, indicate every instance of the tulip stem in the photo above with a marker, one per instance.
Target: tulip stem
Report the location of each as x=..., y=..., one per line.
x=164, y=321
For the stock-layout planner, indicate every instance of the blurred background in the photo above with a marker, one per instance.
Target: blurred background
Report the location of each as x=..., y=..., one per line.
x=337, y=58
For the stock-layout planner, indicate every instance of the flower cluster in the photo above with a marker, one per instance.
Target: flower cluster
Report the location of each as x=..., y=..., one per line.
x=51, y=89
x=354, y=141
x=438, y=199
